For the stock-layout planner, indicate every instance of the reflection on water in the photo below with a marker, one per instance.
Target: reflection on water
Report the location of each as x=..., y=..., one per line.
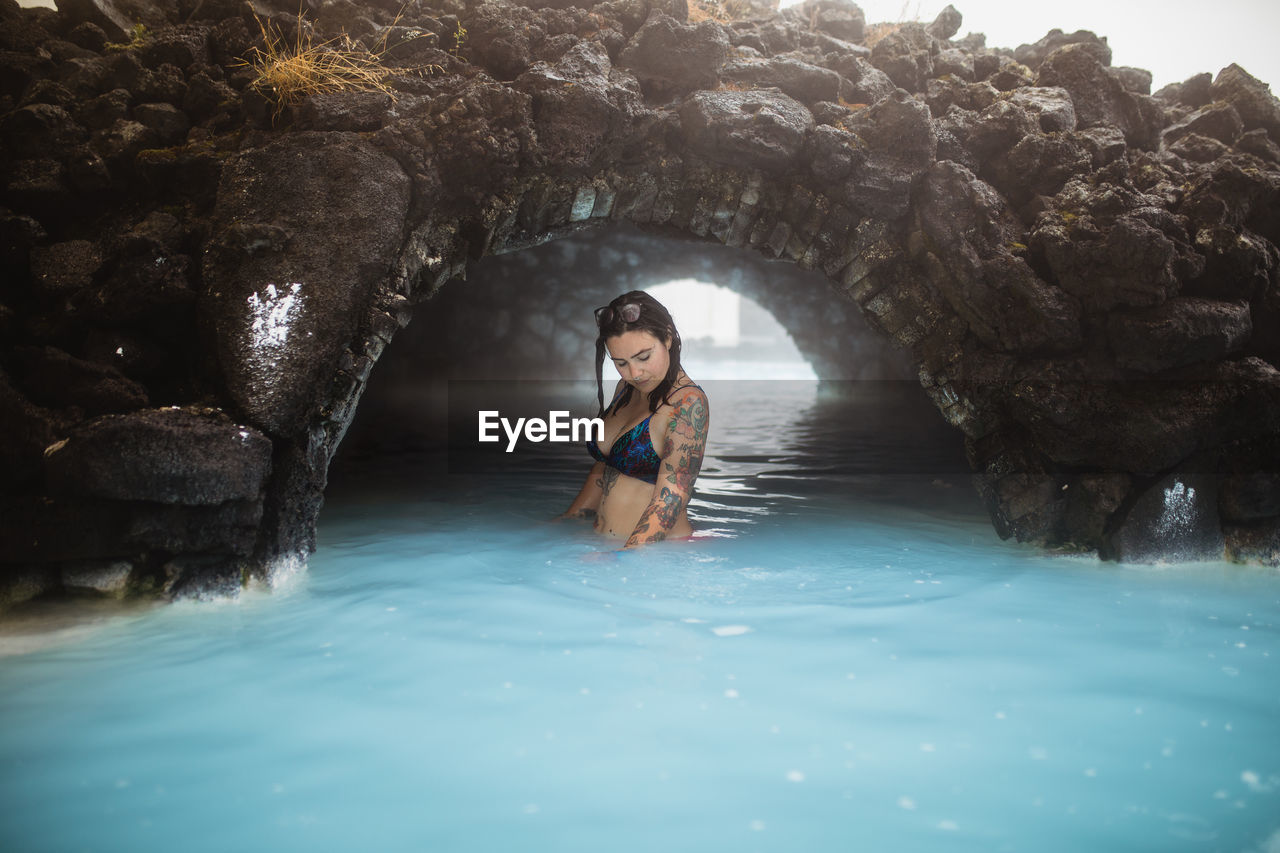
x=847, y=658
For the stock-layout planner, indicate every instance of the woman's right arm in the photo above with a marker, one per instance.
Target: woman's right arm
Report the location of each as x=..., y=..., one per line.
x=588, y=499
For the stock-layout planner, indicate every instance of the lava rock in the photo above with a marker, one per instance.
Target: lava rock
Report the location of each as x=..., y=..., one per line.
x=1181, y=331
x=34, y=529
x=135, y=355
x=165, y=83
x=1218, y=121
x=1233, y=194
x=582, y=108
x=150, y=289
x=1144, y=426
x=281, y=318
x=39, y=187
x=947, y=24
x=19, y=70
x=1099, y=97
x=119, y=144
x=1197, y=149
x=1032, y=55
x=900, y=145
x=906, y=55
x=1255, y=543
x=25, y=431
x=1192, y=92
x=60, y=51
x=762, y=128
x=170, y=456
x=353, y=111
x=1052, y=105
x=189, y=171
x=1105, y=144
x=1091, y=503
x=1247, y=498
x=969, y=231
x=180, y=46
x=227, y=528
x=103, y=111
x=168, y=122
x=205, y=97
x=39, y=129
x=1038, y=166
x=861, y=82
x=104, y=14
x=1135, y=80
x=1109, y=246
x=1175, y=520
x=108, y=578
x=49, y=92
x=1011, y=76
x=88, y=35
x=670, y=58
x=501, y=36
x=57, y=379
x=1252, y=98
x=85, y=78
x=87, y=172
x=1239, y=264
x=802, y=81
x=19, y=584
x=839, y=18
x=1259, y=144
x=955, y=63
x=63, y=268
x=203, y=578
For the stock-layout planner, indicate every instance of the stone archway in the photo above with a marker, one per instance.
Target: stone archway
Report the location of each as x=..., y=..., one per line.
x=1084, y=276
x=537, y=304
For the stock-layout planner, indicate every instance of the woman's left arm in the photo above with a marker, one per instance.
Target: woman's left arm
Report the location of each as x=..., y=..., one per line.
x=681, y=460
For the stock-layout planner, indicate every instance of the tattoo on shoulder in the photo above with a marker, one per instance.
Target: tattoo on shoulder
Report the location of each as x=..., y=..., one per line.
x=686, y=441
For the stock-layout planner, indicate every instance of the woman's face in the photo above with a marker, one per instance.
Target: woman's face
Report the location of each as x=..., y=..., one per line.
x=641, y=358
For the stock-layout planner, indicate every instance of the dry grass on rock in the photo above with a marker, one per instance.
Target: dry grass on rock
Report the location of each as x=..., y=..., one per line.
x=289, y=73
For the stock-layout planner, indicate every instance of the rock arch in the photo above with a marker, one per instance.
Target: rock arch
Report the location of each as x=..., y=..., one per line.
x=537, y=303
x=1084, y=276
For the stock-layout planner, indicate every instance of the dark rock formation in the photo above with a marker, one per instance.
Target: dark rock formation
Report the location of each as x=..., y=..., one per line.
x=1084, y=277
x=1175, y=519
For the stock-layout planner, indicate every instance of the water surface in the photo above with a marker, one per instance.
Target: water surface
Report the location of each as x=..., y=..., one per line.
x=847, y=658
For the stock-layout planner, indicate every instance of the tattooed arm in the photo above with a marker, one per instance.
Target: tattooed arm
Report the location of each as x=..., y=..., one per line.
x=681, y=460
x=592, y=492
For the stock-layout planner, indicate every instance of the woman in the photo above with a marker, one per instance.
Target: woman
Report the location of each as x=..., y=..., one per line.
x=655, y=428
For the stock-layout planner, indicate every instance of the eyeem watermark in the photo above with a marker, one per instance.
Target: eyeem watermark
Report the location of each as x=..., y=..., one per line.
x=558, y=427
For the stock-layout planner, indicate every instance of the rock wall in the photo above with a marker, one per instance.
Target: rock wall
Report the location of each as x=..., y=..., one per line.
x=197, y=283
x=528, y=314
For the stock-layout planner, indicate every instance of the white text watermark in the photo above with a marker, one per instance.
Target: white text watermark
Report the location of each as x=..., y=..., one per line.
x=557, y=427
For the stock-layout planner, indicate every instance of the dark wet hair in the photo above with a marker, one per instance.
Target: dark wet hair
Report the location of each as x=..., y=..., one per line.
x=653, y=319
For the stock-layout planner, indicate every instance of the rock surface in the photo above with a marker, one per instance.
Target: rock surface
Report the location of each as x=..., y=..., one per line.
x=280, y=306
x=171, y=456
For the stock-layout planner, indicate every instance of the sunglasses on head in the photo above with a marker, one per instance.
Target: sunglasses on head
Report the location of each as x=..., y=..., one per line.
x=629, y=314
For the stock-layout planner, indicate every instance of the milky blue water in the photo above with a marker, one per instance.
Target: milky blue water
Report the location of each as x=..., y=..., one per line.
x=847, y=659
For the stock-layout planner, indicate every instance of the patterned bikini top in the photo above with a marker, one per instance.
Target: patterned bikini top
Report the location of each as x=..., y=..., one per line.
x=632, y=452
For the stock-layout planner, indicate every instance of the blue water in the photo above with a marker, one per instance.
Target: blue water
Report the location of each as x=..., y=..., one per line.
x=848, y=659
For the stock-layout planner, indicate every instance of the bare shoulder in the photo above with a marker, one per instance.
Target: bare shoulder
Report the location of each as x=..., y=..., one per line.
x=690, y=395
x=690, y=411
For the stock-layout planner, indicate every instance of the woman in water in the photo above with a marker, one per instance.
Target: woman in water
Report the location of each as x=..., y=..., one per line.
x=655, y=428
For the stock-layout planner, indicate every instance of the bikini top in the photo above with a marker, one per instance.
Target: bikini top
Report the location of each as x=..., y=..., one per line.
x=632, y=452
